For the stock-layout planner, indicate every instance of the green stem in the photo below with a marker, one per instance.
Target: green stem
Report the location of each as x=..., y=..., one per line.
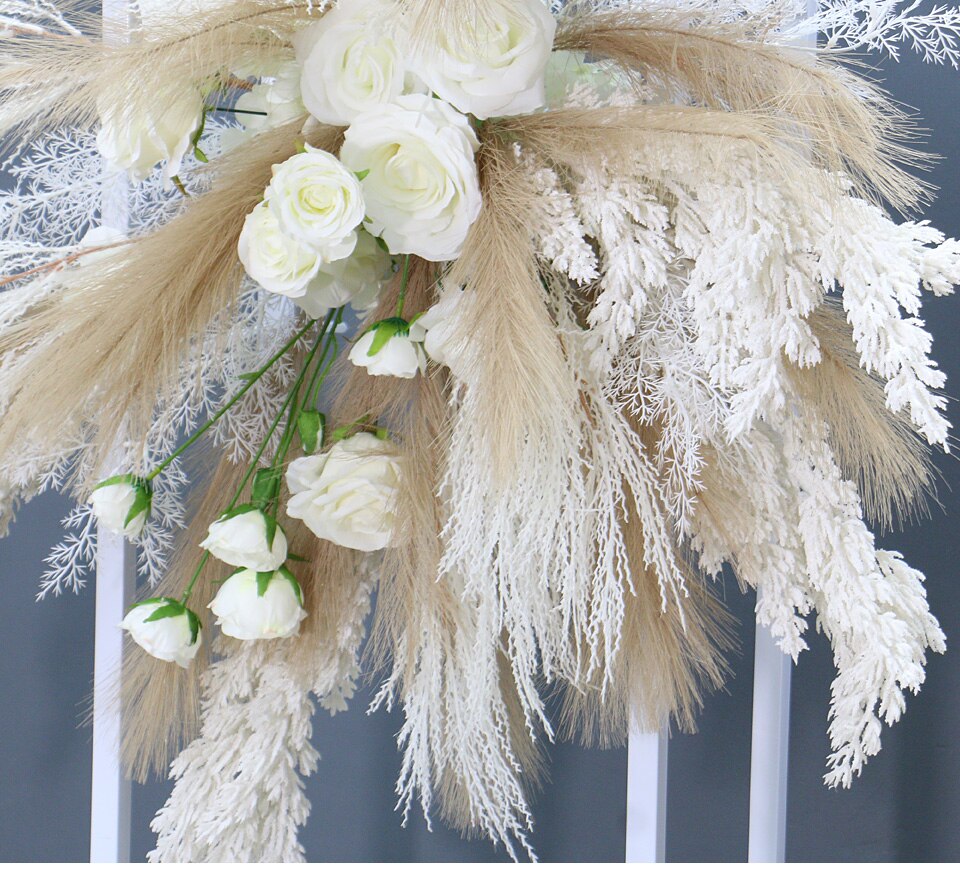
x=252, y=467
x=254, y=378
x=403, y=286
x=316, y=383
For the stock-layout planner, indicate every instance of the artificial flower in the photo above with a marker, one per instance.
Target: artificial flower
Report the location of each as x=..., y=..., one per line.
x=420, y=179
x=496, y=64
x=164, y=628
x=247, y=537
x=350, y=64
x=387, y=349
x=122, y=505
x=259, y=606
x=317, y=201
x=347, y=495
x=137, y=136
x=356, y=280
x=437, y=330
x=279, y=263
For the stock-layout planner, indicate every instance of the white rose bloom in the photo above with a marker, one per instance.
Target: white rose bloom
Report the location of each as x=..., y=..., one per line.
x=137, y=138
x=173, y=638
x=318, y=202
x=438, y=330
x=350, y=64
x=421, y=186
x=255, y=606
x=113, y=502
x=356, y=280
x=348, y=494
x=280, y=264
x=242, y=541
x=399, y=356
x=498, y=66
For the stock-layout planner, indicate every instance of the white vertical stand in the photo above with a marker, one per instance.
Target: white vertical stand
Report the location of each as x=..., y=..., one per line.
x=770, y=741
x=110, y=791
x=646, y=797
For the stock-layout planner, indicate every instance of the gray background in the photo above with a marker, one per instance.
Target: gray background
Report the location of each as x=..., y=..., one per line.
x=903, y=808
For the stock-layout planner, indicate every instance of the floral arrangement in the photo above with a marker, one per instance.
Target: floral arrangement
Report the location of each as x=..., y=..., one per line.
x=527, y=317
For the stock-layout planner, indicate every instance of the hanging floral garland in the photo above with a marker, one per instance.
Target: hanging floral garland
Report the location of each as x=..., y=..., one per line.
x=527, y=317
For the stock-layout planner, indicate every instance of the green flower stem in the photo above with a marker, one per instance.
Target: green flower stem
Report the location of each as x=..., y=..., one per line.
x=251, y=469
x=403, y=285
x=254, y=378
x=320, y=374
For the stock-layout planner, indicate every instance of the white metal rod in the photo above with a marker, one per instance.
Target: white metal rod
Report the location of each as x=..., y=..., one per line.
x=110, y=791
x=646, y=797
x=769, y=750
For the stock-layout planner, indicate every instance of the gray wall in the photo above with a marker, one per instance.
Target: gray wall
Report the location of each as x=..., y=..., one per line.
x=902, y=809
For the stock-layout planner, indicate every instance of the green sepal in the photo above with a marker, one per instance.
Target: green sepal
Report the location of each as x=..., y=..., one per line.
x=384, y=331
x=142, y=502
x=340, y=433
x=298, y=558
x=310, y=426
x=362, y=174
x=380, y=241
x=283, y=571
x=381, y=433
x=125, y=479
x=195, y=139
x=301, y=145
x=272, y=527
x=194, y=622
x=249, y=377
x=263, y=582
x=266, y=485
x=238, y=510
x=170, y=609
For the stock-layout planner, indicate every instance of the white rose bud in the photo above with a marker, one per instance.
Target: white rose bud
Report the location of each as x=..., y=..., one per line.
x=387, y=350
x=259, y=606
x=274, y=260
x=318, y=202
x=356, y=280
x=498, y=66
x=247, y=537
x=164, y=628
x=137, y=137
x=350, y=64
x=438, y=330
x=122, y=504
x=420, y=179
x=348, y=494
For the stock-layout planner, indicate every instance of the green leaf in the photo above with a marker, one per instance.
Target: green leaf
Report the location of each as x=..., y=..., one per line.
x=249, y=377
x=266, y=485
x=142, y=501
x=362, y=174
x=200, y=155
x=169, y=610
x=310, y=426
x=263, y=582
x=195, y=625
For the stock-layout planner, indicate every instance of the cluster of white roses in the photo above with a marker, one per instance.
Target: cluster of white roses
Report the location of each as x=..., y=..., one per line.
x=345, y=495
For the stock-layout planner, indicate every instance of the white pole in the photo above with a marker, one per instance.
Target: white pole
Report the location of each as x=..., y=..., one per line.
x=110, y=791
x=770, y=742
x=646, y=797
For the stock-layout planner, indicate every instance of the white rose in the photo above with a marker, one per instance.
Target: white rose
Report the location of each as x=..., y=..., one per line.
x=101, y=241
x=439, y=332
x=393, y=355
x=356, y=280
x=138, y=137
x=122, y=505
x=348, y=494
x=350, y=64
x=421, y=185
x=498, y=66
x=164, y=628
x=244, y=540
x=318, y=202
x=280, y=264
x=259, y=606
